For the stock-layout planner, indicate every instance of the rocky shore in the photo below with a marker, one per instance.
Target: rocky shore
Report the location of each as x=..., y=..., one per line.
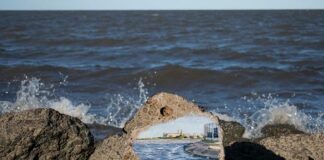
x=48, y=134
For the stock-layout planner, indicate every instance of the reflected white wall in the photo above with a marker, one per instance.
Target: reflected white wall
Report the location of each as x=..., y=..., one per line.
x=188, y=125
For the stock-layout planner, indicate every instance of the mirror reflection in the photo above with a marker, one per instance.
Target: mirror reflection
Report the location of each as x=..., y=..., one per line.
x=190, y=137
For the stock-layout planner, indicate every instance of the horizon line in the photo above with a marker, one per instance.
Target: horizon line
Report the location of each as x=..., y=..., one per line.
x=270, y=9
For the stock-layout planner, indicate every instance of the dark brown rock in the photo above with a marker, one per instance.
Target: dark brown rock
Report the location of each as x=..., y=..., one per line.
x=249, y=151
x=43, y=134
x=233, y=131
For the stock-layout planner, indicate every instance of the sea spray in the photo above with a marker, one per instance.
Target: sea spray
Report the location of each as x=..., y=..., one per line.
x=122, y=108
x=34, y=94
x=269, y=110
x=263, y=109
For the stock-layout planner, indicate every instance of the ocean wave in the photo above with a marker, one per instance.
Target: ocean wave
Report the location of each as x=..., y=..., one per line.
x=121, y=108
x=32, y=95
x=273, y=111
x=170, y=75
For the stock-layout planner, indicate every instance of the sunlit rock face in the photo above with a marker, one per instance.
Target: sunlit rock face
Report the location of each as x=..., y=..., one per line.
x=296, y=146
x=43, y=134
x=159, y=110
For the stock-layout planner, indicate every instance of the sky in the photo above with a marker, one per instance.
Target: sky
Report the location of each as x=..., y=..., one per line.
x=188, y=125
x=158, y=4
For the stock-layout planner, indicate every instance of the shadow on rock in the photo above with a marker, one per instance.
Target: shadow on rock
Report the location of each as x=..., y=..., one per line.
x=249, y=151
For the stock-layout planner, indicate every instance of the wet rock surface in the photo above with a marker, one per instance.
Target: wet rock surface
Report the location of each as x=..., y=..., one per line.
x=43, y=134
x=233, y=131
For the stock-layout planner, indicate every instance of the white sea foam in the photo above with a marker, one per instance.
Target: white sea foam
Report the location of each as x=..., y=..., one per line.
x=32, y=95
x=274, y=111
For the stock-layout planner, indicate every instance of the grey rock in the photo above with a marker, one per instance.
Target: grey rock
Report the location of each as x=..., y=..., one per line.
x=233, y=131
x=43, y=134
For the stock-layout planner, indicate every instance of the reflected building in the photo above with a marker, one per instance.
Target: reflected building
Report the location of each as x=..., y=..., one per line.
x=211, y=132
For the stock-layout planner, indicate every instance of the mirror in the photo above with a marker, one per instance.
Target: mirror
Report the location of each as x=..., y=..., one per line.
x=190, y=137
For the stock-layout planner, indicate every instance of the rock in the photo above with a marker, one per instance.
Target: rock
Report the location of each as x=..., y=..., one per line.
x=43, y=134
x=296, y=146
x=114, y=147
x=160, y=108
x=233, y=131
x=249, y=151
x=279, y=130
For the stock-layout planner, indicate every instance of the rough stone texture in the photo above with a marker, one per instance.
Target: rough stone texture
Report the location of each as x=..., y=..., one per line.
x=278, y=130
x=233, y=131
x=160, y=108
x=115, y=147
x=43, y=134
x=297, y=146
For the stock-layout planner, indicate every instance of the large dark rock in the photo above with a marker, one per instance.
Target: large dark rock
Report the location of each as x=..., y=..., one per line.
x=249, y=151
x=43, y=134
x=278, y=130
x=233, y=131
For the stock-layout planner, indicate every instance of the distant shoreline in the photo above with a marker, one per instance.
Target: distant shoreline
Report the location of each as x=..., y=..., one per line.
x=164, y=141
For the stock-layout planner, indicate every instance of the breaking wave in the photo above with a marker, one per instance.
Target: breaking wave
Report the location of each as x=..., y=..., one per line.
x=33, y=94
x=274, y=111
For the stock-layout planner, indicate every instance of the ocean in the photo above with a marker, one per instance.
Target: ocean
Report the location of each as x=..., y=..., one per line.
x=255, y=67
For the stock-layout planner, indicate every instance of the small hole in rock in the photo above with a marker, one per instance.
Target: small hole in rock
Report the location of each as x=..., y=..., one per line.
x=166, y=111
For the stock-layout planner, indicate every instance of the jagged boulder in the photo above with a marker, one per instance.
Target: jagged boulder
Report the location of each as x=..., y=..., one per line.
x=43, y=134
x=233, y=131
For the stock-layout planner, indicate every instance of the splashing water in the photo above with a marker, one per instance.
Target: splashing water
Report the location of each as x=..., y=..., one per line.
x=274, y=111
x=33, y=94
x=121, y=108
